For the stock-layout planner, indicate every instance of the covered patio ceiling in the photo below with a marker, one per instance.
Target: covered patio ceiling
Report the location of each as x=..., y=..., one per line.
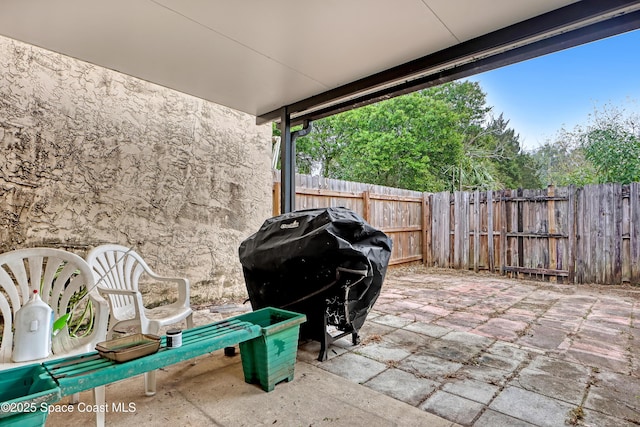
x=316, y=58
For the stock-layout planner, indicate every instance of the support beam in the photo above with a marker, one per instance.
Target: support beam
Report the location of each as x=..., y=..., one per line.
x=601, y=30
x=570, y=26
x=287, y=164
x=288, y=160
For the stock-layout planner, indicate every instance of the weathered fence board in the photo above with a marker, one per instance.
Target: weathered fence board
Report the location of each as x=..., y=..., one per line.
x=565, y=234
x=397, y=212
x=461, y=230
x=477, y=227
x=634, y=233
x=440, y=229
x=601, y=252
x=490, y=233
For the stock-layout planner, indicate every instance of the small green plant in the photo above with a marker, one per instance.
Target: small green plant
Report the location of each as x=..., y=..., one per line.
x=78, y=319
x=82, y=323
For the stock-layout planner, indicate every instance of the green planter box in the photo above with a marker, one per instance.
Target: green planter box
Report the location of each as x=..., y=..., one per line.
x=25, y=395
x=271, y=357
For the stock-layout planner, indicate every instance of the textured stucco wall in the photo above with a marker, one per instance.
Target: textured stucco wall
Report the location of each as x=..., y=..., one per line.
x=91, y=156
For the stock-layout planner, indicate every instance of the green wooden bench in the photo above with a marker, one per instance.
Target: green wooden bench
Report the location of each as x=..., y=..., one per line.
x=268, y=341
x=84, y=372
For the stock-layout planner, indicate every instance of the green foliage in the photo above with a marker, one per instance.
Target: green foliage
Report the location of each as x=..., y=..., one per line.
x=79, y=317
x=607, y=150
x=493, y=158
x=324, y=147
x=615, y=155
x=511, y=165
x=562, y=161
x=613, y=149
x=526, y=166
x=433, y=140
x=80, y=320
x=404, y=142
x=446, y=138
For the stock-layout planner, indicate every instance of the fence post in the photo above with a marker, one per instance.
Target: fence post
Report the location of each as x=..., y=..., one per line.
x=634, y=232
x=426, y=229
x=572, y=230
x=503, y=232
x=520, y=207
x=476, y=230
x=276, y=198
x=461, y=211
x=366, y=206
x=490, y=249
x=551, y=218
x=616, y=235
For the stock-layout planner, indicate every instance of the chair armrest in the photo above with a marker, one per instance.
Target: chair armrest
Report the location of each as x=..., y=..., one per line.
x=109, y=291
x=183, y=287
x=137, y=298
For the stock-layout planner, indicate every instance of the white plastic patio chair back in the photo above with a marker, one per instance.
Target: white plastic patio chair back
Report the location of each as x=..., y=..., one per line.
x=60, y=277
x=117, y=271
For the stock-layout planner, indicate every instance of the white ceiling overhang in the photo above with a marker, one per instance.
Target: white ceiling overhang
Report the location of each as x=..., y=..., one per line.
x=317, y=57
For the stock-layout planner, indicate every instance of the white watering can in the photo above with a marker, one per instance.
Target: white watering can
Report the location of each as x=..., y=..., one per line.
x=33, y=327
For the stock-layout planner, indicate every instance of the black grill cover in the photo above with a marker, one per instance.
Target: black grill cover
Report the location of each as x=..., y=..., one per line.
x=316, y=261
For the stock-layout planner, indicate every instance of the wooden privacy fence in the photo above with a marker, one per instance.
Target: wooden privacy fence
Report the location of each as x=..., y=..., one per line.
x=397, y=212
x=569, y=234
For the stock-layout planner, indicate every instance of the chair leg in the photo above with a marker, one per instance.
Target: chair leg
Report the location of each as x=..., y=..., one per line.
x=99, y=398
x=150, y=383
x=190, y=321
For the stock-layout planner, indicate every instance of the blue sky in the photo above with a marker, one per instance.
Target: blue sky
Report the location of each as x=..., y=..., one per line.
x=542, y=95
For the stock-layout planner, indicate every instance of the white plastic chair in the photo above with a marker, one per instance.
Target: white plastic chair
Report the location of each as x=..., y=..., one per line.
x=117, y=271
x=58, y=276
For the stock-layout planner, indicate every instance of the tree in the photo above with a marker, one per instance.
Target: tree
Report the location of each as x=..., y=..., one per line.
x=323, y=147
x=606, y=150
x=509, y=161
x=492, y=156
x=442, y=138
x=562, y=161
x=496, y=162
x=405, y=142
x=527, y=166
x=612, y=144
x=467, y=99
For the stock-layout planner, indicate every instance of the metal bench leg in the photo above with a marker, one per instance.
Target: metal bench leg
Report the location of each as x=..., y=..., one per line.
x=98, y=396
x=150, y=383
x=75, y=398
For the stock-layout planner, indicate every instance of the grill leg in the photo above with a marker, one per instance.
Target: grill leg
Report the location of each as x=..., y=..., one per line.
x=322, y=356
x=355, y=338
x=326, y=339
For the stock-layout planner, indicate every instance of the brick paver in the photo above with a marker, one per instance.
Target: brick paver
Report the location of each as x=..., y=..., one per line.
x=484, y=350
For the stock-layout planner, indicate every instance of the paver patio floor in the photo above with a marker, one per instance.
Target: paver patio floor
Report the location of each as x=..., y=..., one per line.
x=485, y=350
x=473, y=349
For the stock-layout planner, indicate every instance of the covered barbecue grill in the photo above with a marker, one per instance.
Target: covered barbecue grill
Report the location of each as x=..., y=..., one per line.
x=326, y=263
